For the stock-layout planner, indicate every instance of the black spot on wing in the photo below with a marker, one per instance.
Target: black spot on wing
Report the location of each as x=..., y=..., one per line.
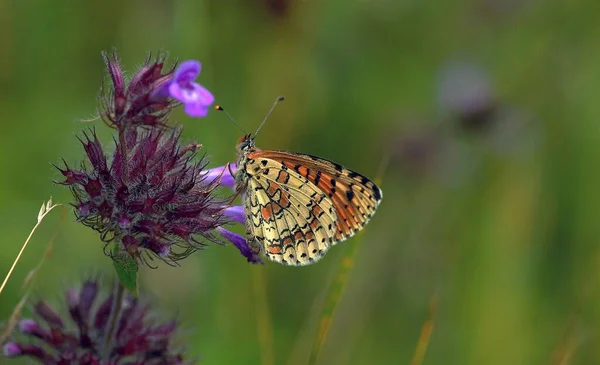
x=337, y=166
x=318, y=177
x=332, y=192
x=349, y=194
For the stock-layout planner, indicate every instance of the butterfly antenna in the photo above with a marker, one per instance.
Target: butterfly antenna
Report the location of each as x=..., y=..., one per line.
x=220, y=108
x=279, y=98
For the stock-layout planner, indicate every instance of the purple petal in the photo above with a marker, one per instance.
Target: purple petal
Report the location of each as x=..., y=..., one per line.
x=187, y=71
x=11, y=349
x=241, y=244
x=196, y=98
x=222, y=172
x=236, y=213
x=28, y=326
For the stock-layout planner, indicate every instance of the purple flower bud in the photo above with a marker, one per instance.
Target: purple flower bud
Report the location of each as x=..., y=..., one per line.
x=241, y=244
x=82, y=340
x=136, y=105
x=235, y=213
x=195, y=98
x=28, y=326
x=72, y=176
x=72, y=298
x=48, y=314
x=124, y=222
x=11, y=349
x=223, y=174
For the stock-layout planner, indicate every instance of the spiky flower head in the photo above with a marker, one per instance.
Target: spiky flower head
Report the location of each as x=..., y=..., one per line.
x=149, y=197
x=155, y=202
x=139, y=102
x=100, y=329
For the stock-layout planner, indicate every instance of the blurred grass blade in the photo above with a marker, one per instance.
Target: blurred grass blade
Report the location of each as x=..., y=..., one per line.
x=338, y=285
x=334, y=295
x=263, y=317
x=426, y=331
x=44, y=210
x=13, y=320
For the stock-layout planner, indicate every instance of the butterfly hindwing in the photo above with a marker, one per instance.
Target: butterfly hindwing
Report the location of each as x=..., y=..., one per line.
x=291, y=218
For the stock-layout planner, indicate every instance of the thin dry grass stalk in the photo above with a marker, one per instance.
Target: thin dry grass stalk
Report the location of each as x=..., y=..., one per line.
x=15, y=316
x=426, y=331
x=44, y=210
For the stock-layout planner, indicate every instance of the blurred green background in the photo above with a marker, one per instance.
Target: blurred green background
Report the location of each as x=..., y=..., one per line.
x=484, y=113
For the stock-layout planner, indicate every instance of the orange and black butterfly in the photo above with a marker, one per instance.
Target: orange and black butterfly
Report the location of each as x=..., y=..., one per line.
x=297, y=206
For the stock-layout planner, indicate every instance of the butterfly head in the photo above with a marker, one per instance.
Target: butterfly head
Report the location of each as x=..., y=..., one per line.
x=245, y=144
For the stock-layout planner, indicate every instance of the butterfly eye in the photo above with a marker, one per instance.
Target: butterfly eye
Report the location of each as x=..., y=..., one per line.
x=245, y=142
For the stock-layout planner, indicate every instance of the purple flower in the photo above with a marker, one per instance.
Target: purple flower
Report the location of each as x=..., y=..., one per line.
x=195, y=98
x=81, y=337
x=156, y=201
x=150, y=198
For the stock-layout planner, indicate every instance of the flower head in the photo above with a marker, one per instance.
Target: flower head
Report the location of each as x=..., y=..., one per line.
x=195, y=98
x=149, y=198
x=156, y=201
x=139, y=103
x=86, y=336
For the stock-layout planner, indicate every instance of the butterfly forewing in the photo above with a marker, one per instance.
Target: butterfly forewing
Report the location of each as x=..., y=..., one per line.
x=290, y=217
x=354, y=196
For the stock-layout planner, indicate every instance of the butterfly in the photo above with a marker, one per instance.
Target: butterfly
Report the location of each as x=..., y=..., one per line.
x=297, y=206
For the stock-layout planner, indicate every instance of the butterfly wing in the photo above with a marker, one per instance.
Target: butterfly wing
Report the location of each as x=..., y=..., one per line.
x=290, y=218
x=355, y=197
x=320, y=193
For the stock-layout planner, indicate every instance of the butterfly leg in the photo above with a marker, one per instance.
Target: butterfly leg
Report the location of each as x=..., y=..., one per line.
x=253, y=243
